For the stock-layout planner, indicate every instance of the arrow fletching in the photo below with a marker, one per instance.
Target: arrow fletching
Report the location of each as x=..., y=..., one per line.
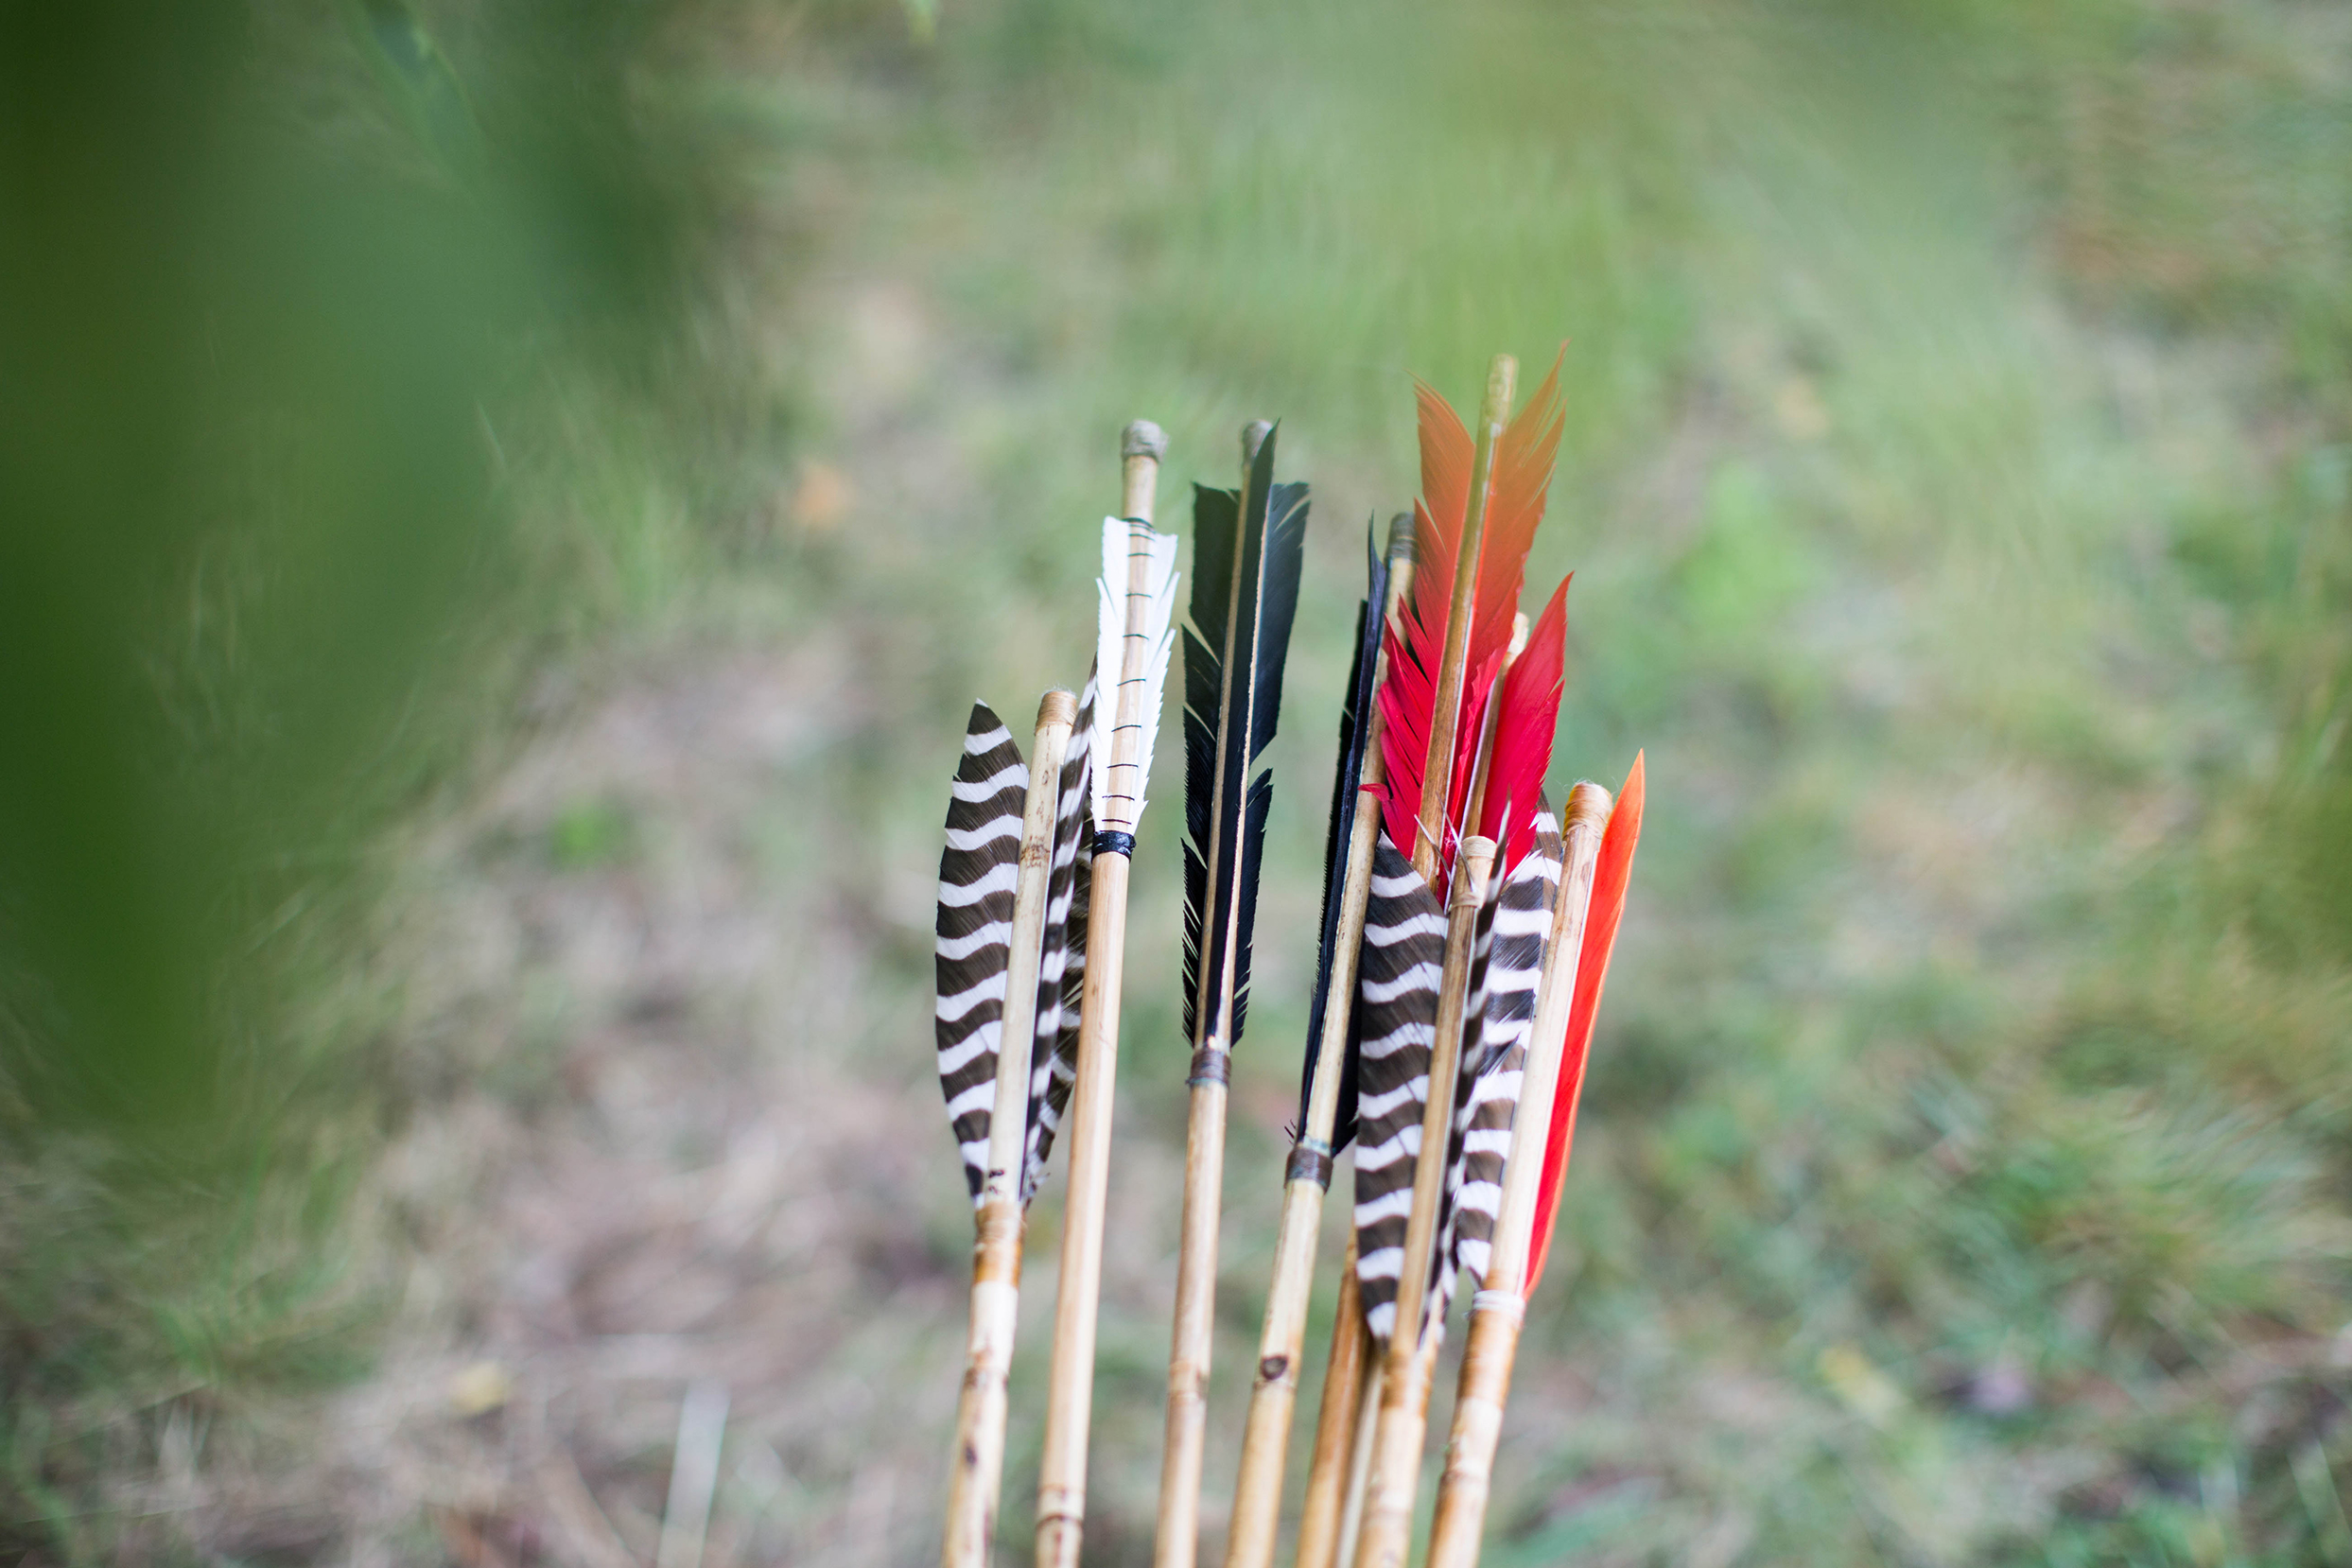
x=1355, y=729
x=978, y=871
x=1135, y=702
x=1611, y=872
x=1247, y=553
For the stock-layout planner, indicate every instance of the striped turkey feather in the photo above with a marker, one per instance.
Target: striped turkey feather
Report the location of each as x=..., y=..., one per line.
x=1506, y=969
x=1247, y=553
x=976, y=874
x=1397, y=984
x=1404, y=943
x=1061, y=976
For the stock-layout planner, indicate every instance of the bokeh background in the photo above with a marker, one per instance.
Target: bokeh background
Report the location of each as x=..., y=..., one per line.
x=504, y=505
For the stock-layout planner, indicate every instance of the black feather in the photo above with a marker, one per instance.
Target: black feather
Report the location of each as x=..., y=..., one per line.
x=1217, y=519
x=1253, y=853
x=1216, y=534
x=1285, y=554
x=1247, y=550
x=1355, y=729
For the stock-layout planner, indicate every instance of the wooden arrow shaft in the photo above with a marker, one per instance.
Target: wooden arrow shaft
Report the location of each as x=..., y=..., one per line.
x=1070, y=1387
x=1498, y=1311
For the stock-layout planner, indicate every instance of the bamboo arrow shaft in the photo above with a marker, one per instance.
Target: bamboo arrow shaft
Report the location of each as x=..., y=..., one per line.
x=1323, y=1516
x=1360, y=1455
x=1281, y=1340
x=1499, y=1309
x=1177, y=1540
x=1062, y=1467
x=977, y=1469
x=1266, y=1435
x=1191, y=1337
x=1069, y=1390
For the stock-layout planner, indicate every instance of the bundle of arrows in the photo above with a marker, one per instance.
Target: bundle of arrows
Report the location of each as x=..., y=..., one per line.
x=1464, y=938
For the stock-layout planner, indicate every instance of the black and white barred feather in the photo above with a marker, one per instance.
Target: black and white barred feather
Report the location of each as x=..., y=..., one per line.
x=1053, y=1063
x=1402, y=971
x=1507, y=967
x=1396, y=981
x=979, y=871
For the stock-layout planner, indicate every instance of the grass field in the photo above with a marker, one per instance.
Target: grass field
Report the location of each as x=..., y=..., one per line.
x=1959, y=483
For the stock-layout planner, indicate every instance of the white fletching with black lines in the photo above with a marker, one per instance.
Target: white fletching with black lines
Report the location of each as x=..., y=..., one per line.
x=1118, y=787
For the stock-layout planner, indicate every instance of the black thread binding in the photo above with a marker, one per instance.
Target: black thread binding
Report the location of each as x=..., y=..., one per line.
x=1310, y=1161
x=1110, y=842
x=1209, y=1066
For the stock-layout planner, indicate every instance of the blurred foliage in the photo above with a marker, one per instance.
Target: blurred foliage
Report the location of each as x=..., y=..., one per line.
x=295, y=305
x=276, y=287
x=1957, y=475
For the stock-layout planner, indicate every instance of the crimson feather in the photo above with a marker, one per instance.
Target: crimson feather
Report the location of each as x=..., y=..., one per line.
x=1527, y=714
x=1522, y=472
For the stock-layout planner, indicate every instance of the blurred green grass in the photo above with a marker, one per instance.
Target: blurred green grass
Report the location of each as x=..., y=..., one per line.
x=1956, y=482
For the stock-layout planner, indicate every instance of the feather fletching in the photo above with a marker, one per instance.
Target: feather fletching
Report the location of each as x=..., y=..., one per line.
x=1355, y=729
x=1527, y=715
x=1522, y=472
x=979, y=871
x=1611, y=871
x=1061, y=975
x=976, y=874
x=1507, y=971
x=1404, y=959
x=1247, y=550
x=1137, y=694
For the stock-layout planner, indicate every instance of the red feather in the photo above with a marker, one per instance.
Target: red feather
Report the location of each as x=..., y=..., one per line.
x=1407, y=693
x=1522, y=472
x=1611, y=873
x=1525, y=719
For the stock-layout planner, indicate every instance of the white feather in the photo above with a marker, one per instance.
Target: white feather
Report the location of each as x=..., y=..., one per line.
x=1118, y=802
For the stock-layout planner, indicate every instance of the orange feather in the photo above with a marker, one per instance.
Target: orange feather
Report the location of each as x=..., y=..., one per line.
x=1611, y=873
